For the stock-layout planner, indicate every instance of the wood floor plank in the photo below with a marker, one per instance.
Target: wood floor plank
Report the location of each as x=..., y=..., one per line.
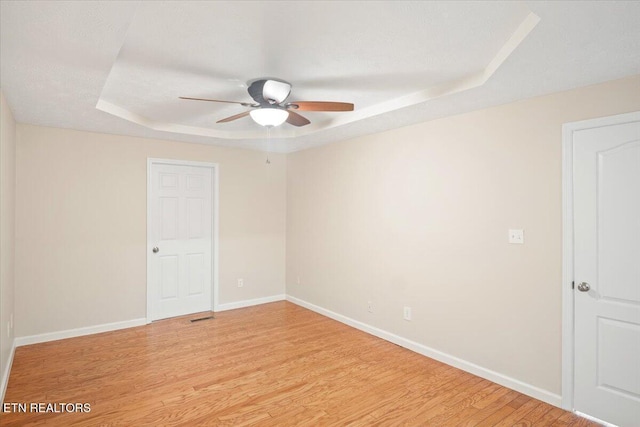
x=534, y=416
x=519, y=413
x=549, y=418
x=270, y=365
x=447, y=414
x=473, y=416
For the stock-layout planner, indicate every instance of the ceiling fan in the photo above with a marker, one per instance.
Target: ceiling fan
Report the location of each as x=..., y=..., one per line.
x=270, y=108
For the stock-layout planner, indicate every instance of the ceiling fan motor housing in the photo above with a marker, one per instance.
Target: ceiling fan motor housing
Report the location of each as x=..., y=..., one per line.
x=269, y=91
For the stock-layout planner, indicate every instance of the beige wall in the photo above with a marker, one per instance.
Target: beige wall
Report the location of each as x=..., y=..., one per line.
x=81, y=225
x=418, y=217
x=7, y=229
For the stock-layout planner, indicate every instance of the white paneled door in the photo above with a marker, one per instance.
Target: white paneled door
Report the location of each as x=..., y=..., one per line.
x=179, y=240
x=606, y=218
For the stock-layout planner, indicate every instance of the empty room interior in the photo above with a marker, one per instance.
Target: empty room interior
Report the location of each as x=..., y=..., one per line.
x=320, y=213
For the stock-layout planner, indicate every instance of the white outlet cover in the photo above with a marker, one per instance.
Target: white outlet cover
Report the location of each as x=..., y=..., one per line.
x=516, y=236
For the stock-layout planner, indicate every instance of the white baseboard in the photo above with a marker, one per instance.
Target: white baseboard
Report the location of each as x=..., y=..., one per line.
x=89, y=330
x=249, y=302
x=7, y=371
x=496, y=377
x=71, y=333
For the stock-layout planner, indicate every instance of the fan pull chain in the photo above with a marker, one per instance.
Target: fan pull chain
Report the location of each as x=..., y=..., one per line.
x=268, y=141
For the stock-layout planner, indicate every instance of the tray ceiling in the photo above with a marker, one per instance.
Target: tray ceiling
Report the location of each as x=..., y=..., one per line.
x=119, y=67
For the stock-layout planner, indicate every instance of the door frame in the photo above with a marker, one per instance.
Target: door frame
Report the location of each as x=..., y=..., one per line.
x=568, y=295
x=214, y=225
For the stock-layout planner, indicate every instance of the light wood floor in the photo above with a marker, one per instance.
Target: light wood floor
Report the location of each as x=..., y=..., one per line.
x=275, y=364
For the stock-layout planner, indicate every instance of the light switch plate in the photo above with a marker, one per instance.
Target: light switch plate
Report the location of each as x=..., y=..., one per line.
x=516, y=236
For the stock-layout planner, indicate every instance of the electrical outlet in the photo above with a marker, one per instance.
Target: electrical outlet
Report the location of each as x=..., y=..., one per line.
x=11, y=320
x=407, y=313
x=298, y=280
x=240, y=283
x=516, y=236
x=370, y=307
x=9, y=329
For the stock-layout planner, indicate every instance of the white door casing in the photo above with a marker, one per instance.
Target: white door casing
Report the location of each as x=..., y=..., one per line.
x=601, y=324
x=181, y=224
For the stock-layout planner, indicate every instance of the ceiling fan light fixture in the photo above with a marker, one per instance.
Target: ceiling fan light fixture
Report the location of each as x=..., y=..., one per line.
x=269, y=116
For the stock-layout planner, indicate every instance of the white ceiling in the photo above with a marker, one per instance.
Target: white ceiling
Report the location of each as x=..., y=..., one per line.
x=119, y=67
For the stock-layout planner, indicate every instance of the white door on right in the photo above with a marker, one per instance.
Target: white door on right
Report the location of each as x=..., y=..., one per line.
x=606, y=183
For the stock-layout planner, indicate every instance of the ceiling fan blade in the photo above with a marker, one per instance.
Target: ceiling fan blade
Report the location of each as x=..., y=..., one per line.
x=245, y=104
x=232, y=118
x=320, y=106
x=296, y=119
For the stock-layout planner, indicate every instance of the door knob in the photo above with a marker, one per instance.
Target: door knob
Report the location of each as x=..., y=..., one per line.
x=156, y=249
x=584, y=287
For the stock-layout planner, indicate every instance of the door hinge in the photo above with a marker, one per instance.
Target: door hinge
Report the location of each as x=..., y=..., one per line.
x=573, y=285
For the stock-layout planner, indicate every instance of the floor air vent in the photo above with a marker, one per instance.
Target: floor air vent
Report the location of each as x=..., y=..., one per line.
x=202, y=318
